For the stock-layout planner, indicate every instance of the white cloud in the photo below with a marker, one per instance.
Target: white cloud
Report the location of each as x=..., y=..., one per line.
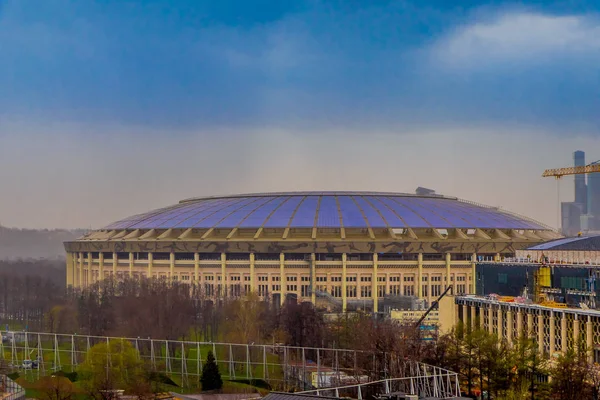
x=516, y=38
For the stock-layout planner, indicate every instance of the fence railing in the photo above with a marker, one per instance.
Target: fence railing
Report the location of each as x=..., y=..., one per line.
x=443, y=385
x=10, y=390
x=281, y=366
x=548, y=261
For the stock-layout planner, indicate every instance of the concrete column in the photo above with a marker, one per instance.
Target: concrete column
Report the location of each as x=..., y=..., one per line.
x=387, y=283
x=70, y=269
x=115, y=262
x=552, y=333
x=344, y=283
x=80, y=277
x=150, y=265
x=374, y=284
x=540, y=332
x=563, y=332
x=509, y=327
x=402, y=283
x=589, y=339
x=100, y=266
x=223, y=275
x=197, y=268
x=482, y=312
x=520, y=324
x=448, y=281
x=530, y=325
x=420, y=275
x=130, y=264
x=473, y=317
x=473, y=273
x=252, y=275
x=313, y=278
x=282, y=276
x=576, y=331
x=491, y=320
x=500, y=323
x=89, y=269
x=172, y=266
x=465, y=315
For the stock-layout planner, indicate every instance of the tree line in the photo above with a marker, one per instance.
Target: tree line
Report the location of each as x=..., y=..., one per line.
x=491, y=367
x=172, y=310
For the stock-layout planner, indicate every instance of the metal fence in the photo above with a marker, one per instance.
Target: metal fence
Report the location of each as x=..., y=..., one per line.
x=10, y=390
x=425, y=381
x=282, y=367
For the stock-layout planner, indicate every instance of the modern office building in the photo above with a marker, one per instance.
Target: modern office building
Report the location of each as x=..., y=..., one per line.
x=581, y=196
x=573, y=213
x=554, y=329
x=345, y=250
x=593, y=201
x=548, y=292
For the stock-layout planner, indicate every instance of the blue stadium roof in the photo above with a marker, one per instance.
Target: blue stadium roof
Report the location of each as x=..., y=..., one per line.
x=327, y=210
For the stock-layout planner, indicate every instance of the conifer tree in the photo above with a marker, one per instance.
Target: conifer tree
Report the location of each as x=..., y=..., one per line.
x=211, y=377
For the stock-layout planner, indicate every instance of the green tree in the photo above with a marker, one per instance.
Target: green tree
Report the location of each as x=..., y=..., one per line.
x=111, y=366
x=211, y=377
x=571, y=375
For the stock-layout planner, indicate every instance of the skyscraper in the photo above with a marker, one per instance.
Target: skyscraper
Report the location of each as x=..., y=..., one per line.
x=581, y=196
x=593, y=199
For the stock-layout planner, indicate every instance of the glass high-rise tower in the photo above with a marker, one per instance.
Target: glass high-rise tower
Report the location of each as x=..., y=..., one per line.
x=581, y=195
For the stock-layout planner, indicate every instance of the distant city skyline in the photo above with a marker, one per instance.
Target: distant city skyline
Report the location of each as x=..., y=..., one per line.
x=111, y=109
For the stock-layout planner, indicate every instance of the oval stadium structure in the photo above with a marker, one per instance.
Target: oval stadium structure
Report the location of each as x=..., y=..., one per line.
x=344, y=249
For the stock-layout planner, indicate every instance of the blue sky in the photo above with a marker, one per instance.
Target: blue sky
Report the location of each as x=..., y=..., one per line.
x=90, y=78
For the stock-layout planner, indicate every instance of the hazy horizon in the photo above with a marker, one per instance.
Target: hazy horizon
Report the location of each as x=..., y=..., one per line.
x=109, y=110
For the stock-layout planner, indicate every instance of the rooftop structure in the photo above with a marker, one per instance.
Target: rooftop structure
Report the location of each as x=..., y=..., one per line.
x=350, y=210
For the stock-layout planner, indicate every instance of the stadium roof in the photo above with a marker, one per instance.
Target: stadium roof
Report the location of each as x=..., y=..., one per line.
x=327, y=210
x=581, y=243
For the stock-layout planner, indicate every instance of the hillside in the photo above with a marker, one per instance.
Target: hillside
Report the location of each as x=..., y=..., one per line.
x=34, y=244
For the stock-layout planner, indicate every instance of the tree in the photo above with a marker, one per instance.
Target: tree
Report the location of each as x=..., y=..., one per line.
x=570, y=376
x=111, y=366
x=211, y=377
x=55, y=388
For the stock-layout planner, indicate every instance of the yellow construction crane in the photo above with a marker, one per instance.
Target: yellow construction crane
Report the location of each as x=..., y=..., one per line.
x=560, y=172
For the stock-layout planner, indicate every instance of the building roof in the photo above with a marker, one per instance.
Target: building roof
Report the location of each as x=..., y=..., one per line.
x=327, y=210
x=580, y=243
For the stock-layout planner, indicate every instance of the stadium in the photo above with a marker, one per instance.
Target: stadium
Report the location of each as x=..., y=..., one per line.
x=347, y=250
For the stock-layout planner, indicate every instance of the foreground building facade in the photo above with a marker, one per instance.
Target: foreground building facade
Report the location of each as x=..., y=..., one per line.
x=344, y=249
x=555, y=330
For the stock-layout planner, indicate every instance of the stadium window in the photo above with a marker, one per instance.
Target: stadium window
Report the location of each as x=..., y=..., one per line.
x=184, y=256
x=161, y=256
x=502, y=278
x=305, y=290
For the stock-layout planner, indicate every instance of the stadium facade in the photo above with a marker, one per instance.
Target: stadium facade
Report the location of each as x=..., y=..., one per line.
x=344, y=249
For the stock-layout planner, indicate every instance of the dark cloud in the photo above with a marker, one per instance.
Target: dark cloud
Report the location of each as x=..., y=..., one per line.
x=296, y=64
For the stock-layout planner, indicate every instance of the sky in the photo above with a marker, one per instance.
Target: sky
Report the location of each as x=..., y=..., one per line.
x=111, y=108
